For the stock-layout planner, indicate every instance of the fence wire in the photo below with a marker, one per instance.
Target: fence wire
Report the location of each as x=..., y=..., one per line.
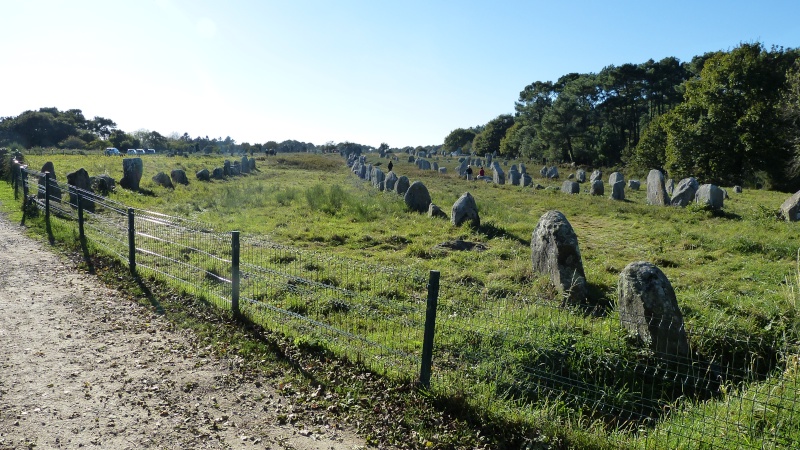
x=509, y=350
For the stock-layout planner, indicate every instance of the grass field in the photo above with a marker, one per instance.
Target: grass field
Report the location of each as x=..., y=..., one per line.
x=735, y=273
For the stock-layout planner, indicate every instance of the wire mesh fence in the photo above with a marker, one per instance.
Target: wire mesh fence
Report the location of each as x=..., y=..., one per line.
x=500, y=349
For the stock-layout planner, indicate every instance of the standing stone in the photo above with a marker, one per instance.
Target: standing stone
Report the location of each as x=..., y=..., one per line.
x=163, y=179
x=790, y=208
x=435, y=166
x=465, y=209
x=737, y=189
x=522, y=168
x=570, y=187
x=411, y=159
x=596, y=175
x=462, y=169
x=513, y=176
x=684, y=193
x=656, y=193
x=670, y=186
x=178, y=176
x=218, y=173
x=132, y=169
x=55, y=190
x=596, y=187
x=102, y=184
x=543, y=172
x=234, y=170
x=377, y=176
x=436, y=211
x=417, y=197
x=442, y=170
x=614, y=177
x=525, y=180
x=245, y=165
x=498, y=176
x=555, y=252
x=552, y=172
x=489, y=159
x=634, y=185
x=390, y=181
x=618, y=191
x=580, y=176
x=203, y=175
x=649, y=310
x=252, y=164
x=226, y=167
x=402, y=185
x=710, y=195
x=80, y=180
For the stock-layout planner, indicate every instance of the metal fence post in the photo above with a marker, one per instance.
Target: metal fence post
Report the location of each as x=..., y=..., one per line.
x=131, y=242
x=430, y=325
x=235, y=274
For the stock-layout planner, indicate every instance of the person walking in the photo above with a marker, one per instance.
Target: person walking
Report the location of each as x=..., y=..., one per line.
x=469, y=173
x=390, y=166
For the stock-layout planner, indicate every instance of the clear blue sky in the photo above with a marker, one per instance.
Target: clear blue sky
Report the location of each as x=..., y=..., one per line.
x=401, y=72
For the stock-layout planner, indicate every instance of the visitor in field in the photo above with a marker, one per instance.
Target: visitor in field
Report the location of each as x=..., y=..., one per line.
x=481, y=172
x=390, y=166
x=469, y=172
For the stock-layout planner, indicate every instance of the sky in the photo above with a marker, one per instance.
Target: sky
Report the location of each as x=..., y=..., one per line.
x=405, y=73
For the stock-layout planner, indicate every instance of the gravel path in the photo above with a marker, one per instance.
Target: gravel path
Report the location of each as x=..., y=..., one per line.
x=83, y=367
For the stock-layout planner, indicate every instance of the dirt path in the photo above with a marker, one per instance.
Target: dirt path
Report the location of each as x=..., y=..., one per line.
x=82, y=367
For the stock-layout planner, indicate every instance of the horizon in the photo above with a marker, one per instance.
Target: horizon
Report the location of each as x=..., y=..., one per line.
x=313, y=71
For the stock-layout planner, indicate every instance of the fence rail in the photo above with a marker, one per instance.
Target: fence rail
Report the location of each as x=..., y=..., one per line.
x=509, y=351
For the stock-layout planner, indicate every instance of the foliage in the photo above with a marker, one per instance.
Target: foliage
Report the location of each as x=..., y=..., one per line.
x=488, y=140
x=458, y=139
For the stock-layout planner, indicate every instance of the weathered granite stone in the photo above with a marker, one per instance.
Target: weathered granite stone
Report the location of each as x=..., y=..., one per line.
x=80, y=179
x=614, y=177
x=203, y=175
x=465, y=210
x=571, y=187
x=226, y=167
x=596, y=187
x=669, y=185
x=435, y=211
x=402, y=185
x=390, y=181
x=656, y=192
x=513, y=176
x=525, y=180
x=55, y=190
x=790, y=208
x=634, y=185
x=132, y=170
x=710, y=195
x=442, y=170
x=178, y=176
x=163, y=180
x=684, y=192
x=377, y=176
x=102, y=184
x=218, y=173
x=245, y=165
x=417, y=197
x=552, y=172
x=618, y=191
x=543, y=172
x=737, y=189
x=649, y=310
x=596, y=175
x=555, y=252
x=580, y=176
x=498, y=176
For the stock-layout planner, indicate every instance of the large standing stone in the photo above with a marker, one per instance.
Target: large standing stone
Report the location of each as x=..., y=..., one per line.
x=245, y=165
x=525, y=180
x=226, y=167
x=656, y=193
x=465, y=209
x=596, y=187
x=417, y=197
x=218, y=173
x=552, y=172
x=596, y=175
x=80, y=179
x=649, y=309
x=580, y=176
x=178, y=176
x=790, y=208
x=377, y=176
x=462, y=168
x=402, y=185
x=618, y=191
x=203, y=175
x=710, y=195
x=571, y=187
x=55, y=190
x=252, y=164
x=614, y=177
x=543, y=172
x=163, y=179
x=498, y=176
x=132, y=169
x=513, y=176
x=102, y=184
x=555, y=252
x=683, y=194
x=390, y=181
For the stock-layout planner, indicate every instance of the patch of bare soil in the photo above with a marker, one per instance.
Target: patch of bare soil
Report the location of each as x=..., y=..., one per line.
x=83, y=367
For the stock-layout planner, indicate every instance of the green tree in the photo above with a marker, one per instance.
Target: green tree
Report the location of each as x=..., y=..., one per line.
x=457, y=140
x=488, y=140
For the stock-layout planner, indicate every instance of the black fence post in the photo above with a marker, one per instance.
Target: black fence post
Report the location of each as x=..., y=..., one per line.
x=430, y=325
x=235, y=274
x=47, y=201
x=131, y=242
x=15, y=176
x=81, y=233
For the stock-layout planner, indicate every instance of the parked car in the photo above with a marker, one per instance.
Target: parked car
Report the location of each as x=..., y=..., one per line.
x=140, y=151
x=131, y=151
x=111, y=151
x=151, y=150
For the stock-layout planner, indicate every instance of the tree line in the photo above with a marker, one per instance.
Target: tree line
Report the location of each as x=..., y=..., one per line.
x=727, y=117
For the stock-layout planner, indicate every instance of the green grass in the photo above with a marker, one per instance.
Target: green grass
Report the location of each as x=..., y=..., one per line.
x=734, y=274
